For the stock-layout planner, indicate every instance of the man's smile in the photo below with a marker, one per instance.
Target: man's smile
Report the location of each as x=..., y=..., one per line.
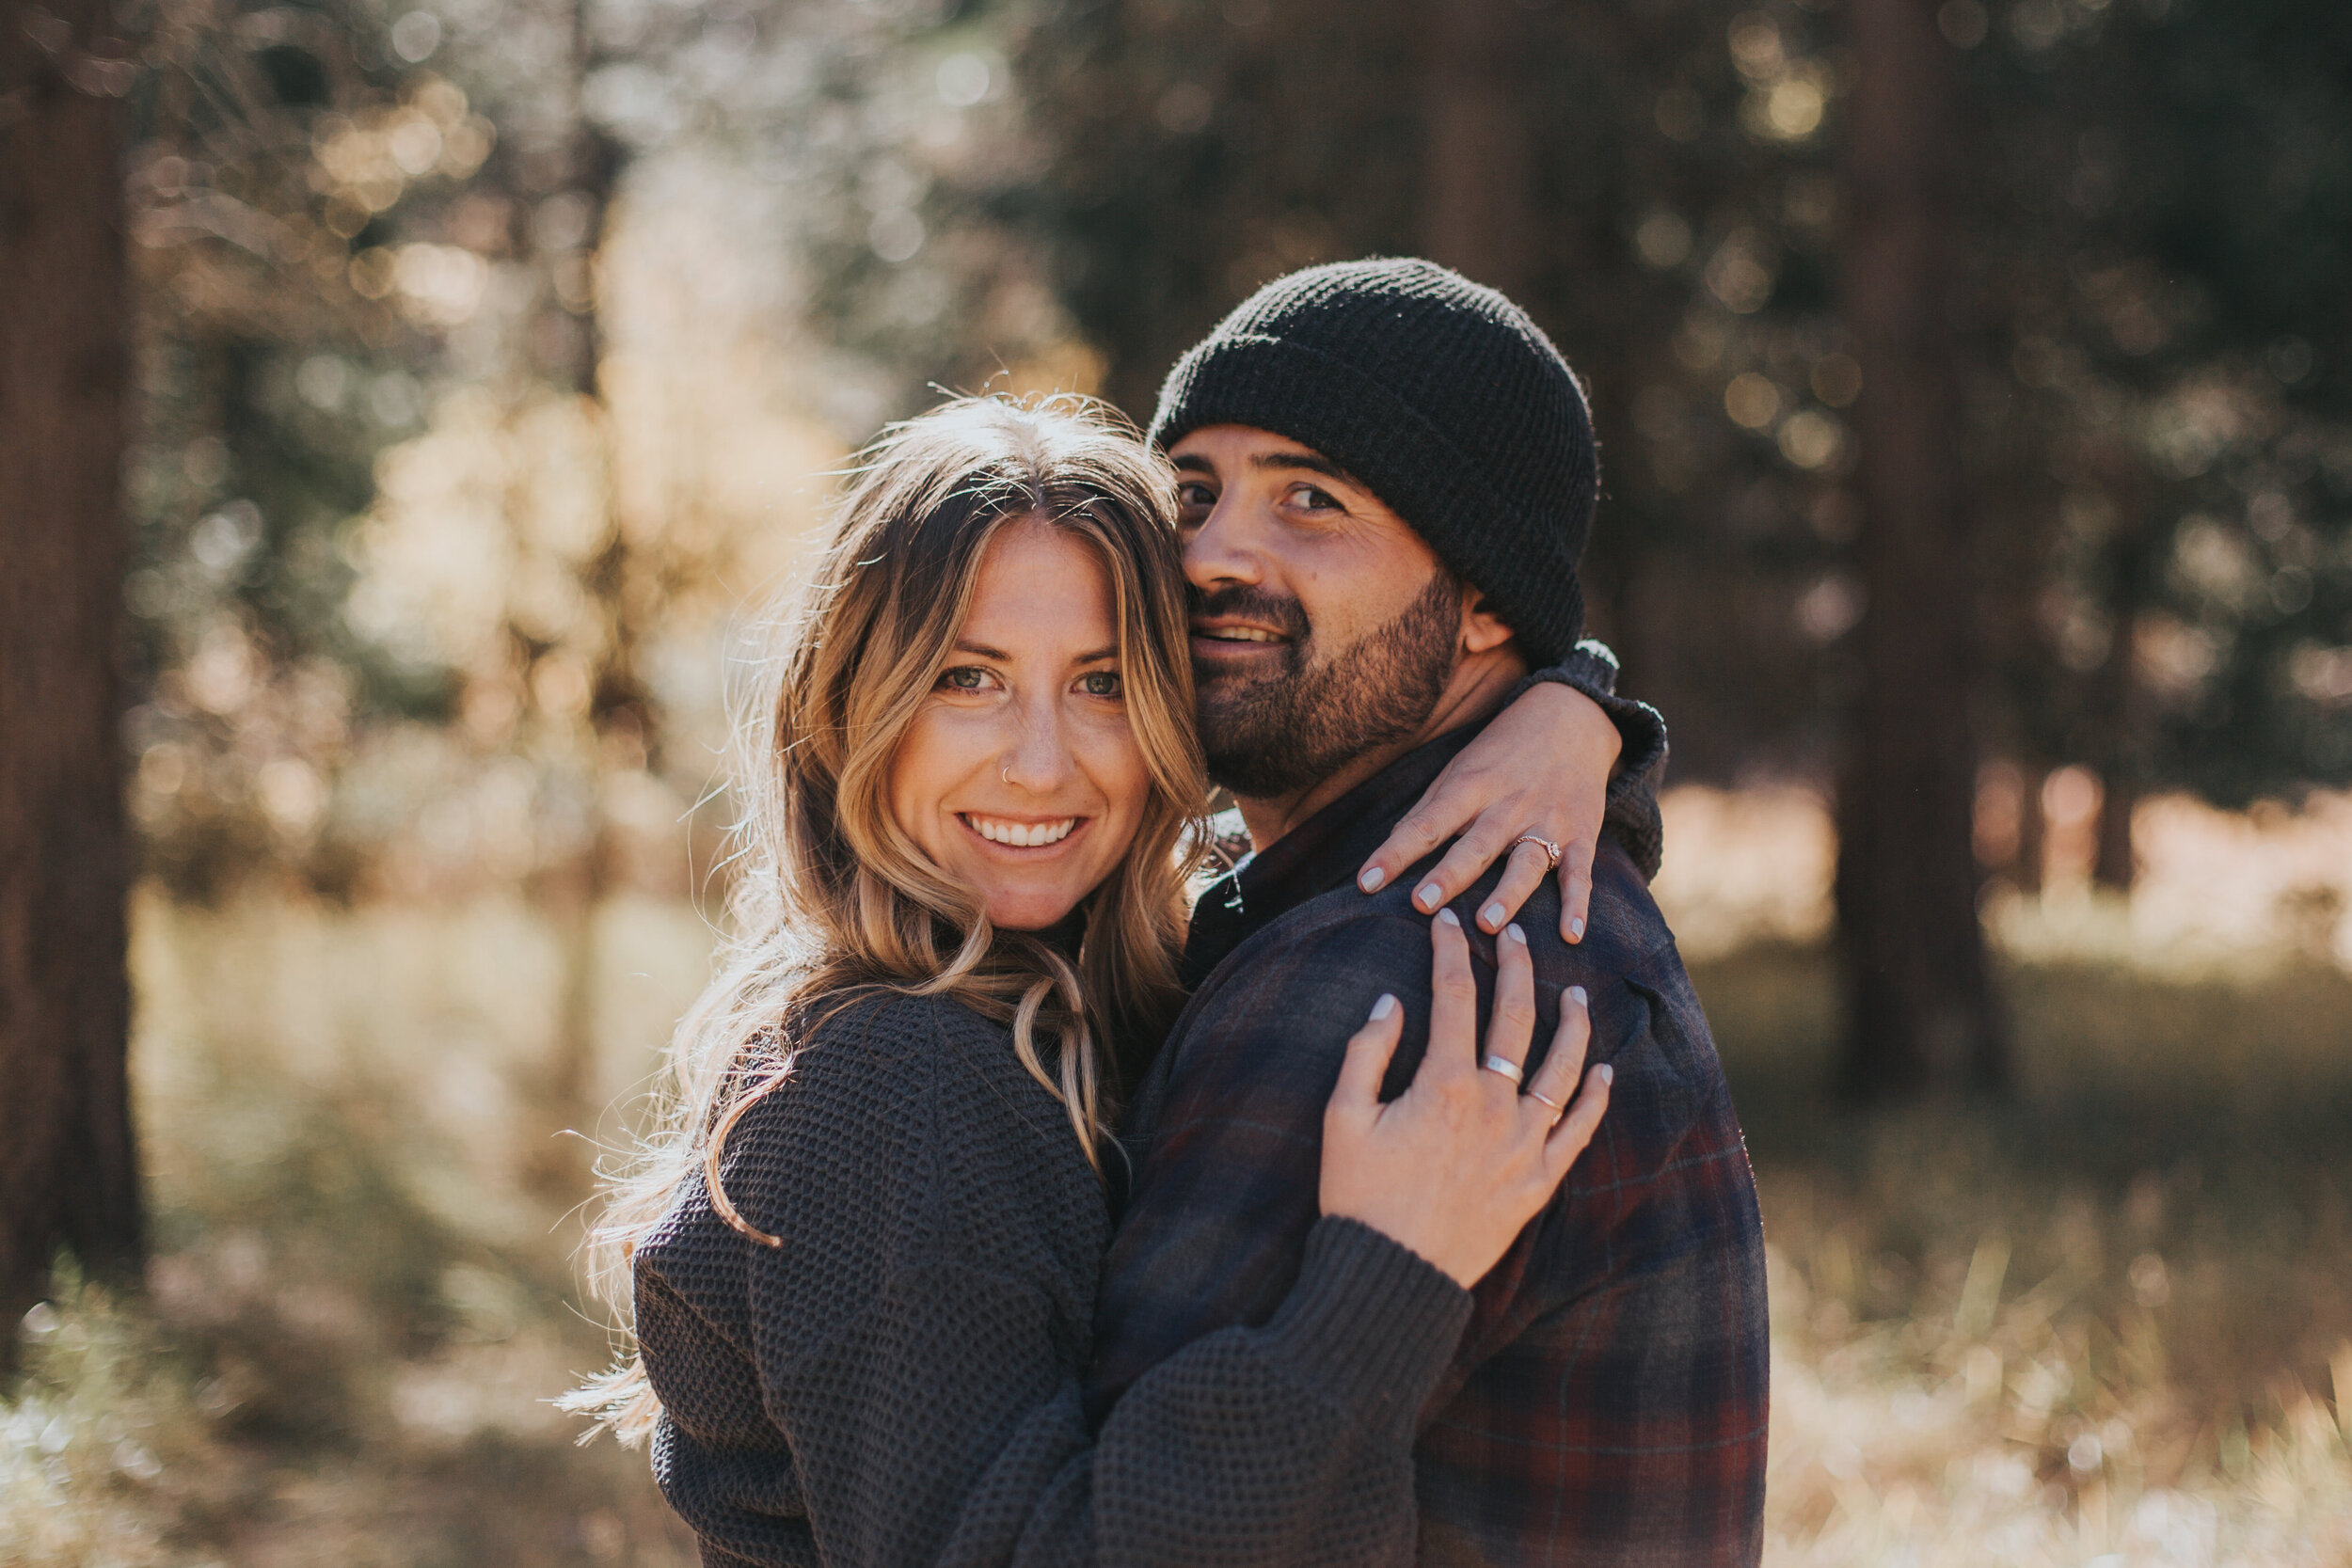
x=1226, y=641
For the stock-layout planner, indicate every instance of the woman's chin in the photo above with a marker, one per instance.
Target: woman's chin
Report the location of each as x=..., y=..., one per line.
x=1031, y=909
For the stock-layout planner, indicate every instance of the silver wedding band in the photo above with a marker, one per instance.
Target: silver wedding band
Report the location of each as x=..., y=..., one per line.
x=1546, y=845
x=1505, y=1066
x=1557, y=1109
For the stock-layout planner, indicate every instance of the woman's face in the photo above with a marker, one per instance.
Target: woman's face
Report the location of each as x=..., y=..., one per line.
x=1020, y=775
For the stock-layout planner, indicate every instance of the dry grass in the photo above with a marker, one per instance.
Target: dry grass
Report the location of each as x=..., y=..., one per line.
x=2107, y=1320
x=2106, y=1323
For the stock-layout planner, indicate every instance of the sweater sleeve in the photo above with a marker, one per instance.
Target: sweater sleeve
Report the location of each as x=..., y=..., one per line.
x=1633, y=817
x=920, y=1337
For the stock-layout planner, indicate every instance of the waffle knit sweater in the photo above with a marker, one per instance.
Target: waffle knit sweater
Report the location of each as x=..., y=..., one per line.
x=900, y=1382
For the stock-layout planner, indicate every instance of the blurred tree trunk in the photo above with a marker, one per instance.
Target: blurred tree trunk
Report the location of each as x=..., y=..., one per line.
x=1920, y=1011
x=69, y=1175
x=1477, y=192
x=2119, y=702
x=2033, y=842
x=619, y=726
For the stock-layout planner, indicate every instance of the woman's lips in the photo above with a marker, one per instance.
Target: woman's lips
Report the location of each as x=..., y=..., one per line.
x=1015, y=834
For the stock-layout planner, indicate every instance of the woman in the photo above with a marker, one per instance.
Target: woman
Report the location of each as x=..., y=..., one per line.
x=865, y=1249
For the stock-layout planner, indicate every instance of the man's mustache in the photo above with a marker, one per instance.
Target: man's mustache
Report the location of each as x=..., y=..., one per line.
x=1241, y=602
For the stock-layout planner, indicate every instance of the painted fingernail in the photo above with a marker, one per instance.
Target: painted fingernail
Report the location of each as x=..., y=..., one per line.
x=1370, y=881
x=1576, y=928
x=1514, y=932
x=1577, y=993
x=1383, y=1007
x=1449, y=917
x=1492, y=914
x=1429, y=896
x=1608, y=1073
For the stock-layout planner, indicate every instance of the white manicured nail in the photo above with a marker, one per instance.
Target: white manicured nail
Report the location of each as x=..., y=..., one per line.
x=1383, y=1007
x=1608, y=1073
x=1493, y=914
x=1449, y=917
x=1514, y=932
x=1370, y=881
x=1576, y=928
x=1429, y=896
x=1577, y=992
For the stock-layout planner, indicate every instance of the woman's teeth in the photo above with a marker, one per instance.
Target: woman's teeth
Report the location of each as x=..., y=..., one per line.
x=1021, y=835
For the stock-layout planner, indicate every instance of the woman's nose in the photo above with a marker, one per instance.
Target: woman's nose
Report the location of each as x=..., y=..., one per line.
x=1038, y=760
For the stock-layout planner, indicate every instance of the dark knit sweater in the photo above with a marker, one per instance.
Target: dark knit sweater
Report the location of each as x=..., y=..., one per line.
x=900, y=1382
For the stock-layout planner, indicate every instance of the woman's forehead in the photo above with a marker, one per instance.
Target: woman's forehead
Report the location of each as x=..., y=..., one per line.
x=1040, y=590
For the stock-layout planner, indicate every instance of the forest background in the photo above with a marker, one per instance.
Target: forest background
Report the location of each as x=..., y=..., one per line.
x=403, y=406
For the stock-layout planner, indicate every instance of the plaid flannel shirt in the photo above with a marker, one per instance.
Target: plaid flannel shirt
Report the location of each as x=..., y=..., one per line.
x=1608, y=1402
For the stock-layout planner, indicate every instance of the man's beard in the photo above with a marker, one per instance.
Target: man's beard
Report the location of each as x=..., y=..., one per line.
x=1278, y=734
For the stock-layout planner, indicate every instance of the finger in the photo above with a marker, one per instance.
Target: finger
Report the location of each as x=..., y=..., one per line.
x=1575, y=1131
x=1556, y=1079
x=1416, y=833
x=1576, y=887
x=1523, y=873
x=1484, y=842
x=1368, y=1052
x=1453, y=1001
x=1513, y=1024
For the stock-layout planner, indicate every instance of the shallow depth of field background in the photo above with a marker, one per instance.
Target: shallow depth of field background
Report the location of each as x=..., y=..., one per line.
x=494, y=361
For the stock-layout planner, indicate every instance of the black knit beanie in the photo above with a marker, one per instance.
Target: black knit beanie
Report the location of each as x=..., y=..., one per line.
x=1441, y=395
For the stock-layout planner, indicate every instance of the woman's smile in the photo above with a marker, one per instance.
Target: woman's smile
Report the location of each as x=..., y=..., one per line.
x=1022, y=833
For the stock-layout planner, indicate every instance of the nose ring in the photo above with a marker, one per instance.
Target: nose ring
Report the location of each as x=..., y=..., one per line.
x=1006, y=773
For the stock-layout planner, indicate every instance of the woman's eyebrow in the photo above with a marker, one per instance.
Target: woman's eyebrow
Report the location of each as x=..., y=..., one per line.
x=981, y=650
x=1097, y=656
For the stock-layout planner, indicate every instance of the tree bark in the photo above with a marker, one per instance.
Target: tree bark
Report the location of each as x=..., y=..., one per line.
x=68, y=1175
x=1477, y=195
x=1920, y=1014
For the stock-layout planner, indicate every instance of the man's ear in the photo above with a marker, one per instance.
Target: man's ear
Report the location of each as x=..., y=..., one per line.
x=1483, y=630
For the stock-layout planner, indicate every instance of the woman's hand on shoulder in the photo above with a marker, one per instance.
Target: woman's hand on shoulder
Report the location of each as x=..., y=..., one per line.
x=1456, y=1167
x=1535, y=779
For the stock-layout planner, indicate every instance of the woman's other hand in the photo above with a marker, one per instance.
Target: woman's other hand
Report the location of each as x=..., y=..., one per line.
x=1456, y=1167
x=1540, y=770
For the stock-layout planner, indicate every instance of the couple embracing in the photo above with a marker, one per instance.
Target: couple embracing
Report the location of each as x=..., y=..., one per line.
x=1369, y=1207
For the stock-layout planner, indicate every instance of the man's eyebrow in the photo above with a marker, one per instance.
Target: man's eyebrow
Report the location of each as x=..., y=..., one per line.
x=1193, y=463
x=1312, y=463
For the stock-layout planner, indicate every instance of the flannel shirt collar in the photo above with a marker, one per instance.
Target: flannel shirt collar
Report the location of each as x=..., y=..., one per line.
x=1320, y=854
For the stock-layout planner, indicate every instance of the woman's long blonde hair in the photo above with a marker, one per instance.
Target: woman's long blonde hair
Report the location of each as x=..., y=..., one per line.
x=832, y=898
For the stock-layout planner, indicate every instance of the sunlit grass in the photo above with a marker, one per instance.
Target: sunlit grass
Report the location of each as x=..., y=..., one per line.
x=2111, y=1320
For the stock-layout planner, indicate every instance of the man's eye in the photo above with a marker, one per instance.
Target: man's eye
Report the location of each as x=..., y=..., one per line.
x=965, y=677
x=1314, y=499
x=1195, y=495
x=1100, y=683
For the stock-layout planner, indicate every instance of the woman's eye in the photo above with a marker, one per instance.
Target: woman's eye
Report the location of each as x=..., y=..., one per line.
x=965, y=677
x=1100, y=683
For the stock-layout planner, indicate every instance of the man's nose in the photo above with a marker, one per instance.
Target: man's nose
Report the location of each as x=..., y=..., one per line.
x=1218, y=554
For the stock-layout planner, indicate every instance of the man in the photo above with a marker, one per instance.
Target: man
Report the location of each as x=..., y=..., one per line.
x=1387, y=475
